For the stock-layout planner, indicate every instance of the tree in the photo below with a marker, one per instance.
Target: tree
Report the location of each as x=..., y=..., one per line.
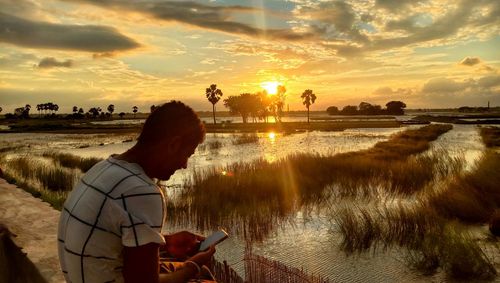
x=75, y=109
x=1, y=109
x=121, y=114
x=111, y=109
x=245, y=104
x=279, y=102
x=213, y=95
x=308, y=98
x=95, y=111
x=55, y=107
x=332, y=110
x=152, y=108
x=135, y=109
x=395, y=107
x=349, y=110
x=364, y=107
x=80, y=111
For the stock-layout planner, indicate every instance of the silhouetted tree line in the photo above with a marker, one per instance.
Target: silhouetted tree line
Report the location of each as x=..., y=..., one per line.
x=365, y=108
x=258, y=106
x=49, y=110
x=468, y=109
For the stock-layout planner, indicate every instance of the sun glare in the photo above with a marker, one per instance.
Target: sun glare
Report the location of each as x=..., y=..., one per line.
x=270, y=87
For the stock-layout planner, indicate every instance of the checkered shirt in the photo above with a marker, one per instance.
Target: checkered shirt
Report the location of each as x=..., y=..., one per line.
x=114, y=205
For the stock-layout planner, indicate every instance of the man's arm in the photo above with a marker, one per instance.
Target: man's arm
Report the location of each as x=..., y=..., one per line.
x=141, y=264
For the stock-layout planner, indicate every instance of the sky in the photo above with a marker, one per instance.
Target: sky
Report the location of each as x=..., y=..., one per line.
x=92, y=53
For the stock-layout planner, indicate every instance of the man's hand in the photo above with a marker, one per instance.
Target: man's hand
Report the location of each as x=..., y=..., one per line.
x=183, y=244
x=203, y=258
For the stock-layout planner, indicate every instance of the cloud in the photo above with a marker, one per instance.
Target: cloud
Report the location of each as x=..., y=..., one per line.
x=387, y=91
x=395, y=5
x=443, y=85
x=37, y=34
x=486, y=85
x=470, y=61
x=210, y=17
x=51, y=62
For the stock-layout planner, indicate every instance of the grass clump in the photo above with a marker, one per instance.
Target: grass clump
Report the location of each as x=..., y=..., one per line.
x=473, y=196
x=72, y=161
x=490, y=136
x=246, y=139
x=49, y=177
x=55, y=198
x=431, y=242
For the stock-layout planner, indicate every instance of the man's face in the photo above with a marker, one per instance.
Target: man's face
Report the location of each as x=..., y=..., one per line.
x=176, y=157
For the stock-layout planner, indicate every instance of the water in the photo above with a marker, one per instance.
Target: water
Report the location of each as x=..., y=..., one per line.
x=311, y=243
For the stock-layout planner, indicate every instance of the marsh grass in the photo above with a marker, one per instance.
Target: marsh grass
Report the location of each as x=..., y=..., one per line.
x=246, y=139
x=72, y=161
x=471, y=197
x=47, y=176
x=259, y=194
x=430, y=240
x=210, y=145
x=55, y=198
x=490, y=136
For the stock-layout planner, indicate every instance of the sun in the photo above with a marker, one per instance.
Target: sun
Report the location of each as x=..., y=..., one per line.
x=271, y=87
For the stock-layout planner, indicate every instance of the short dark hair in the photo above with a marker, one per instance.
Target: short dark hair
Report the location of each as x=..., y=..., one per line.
x=172, y=119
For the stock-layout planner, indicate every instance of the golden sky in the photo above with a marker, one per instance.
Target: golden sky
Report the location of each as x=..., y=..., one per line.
x=89, y=53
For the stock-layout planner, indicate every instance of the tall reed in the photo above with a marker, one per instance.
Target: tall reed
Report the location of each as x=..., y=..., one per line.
x=473, y=196
x=48, y=176
x=430, y=240
x=267, y=192
x=72, y=161
x=490, y=136
x=246, y=139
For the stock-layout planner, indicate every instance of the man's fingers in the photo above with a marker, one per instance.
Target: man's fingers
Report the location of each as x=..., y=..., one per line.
x=199, y=237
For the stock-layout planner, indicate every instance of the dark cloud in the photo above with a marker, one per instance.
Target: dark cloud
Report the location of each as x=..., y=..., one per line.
x=36, y=34
x=211, y=17
x=51, y=62
x=470, y=61
x=395, y=5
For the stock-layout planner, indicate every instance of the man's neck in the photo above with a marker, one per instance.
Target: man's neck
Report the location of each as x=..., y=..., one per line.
x=135, y=155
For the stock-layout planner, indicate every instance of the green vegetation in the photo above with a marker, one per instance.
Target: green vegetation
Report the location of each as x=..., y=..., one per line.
x=72, y=161
x=49, y=181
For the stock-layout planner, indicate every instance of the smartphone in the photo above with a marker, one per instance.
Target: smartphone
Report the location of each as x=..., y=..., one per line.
x=213, y=239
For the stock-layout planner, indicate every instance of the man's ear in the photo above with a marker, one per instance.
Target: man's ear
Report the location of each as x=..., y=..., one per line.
x=174, y=145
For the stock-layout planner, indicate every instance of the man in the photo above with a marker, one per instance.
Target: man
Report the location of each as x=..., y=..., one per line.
x=109, y=229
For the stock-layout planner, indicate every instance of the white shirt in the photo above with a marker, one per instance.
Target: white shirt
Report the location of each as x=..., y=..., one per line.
x=115, y=204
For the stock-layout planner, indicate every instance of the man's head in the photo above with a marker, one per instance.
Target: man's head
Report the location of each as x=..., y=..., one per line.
x=170, y=136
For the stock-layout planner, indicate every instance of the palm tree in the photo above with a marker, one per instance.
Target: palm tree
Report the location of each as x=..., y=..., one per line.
x=111, y=109
x=308, y=98
x=134, y=109
x=213, y=95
